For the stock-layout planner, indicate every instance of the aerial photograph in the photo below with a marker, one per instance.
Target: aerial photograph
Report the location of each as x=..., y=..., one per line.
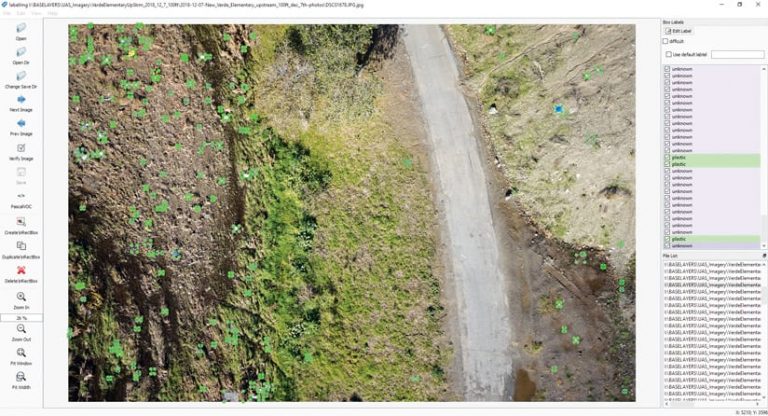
x=337, y=213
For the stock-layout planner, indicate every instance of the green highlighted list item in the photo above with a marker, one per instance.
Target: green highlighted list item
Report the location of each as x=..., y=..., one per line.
x=716, y=239
x=715, y=160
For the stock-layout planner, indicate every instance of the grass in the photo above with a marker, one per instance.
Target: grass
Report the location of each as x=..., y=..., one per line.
x=374, y=249
x=389, y=279
x=491, y=51
x=96, y=325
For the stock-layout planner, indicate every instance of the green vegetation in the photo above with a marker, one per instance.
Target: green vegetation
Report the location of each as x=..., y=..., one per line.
x=323, y=288
x=98, y=335
x=373, y=259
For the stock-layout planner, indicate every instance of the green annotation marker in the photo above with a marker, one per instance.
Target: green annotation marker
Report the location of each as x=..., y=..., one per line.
x=575, y=340
x=580, y=257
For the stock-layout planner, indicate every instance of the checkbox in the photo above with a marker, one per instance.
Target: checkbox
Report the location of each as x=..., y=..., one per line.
x=668, y=54
x=665, y=41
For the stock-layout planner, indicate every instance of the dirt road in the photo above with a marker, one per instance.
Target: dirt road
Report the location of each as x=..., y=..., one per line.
x=485, y=326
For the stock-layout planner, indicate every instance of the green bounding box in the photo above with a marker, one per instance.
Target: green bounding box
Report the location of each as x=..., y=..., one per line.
x=716, y=239
x=716, y=160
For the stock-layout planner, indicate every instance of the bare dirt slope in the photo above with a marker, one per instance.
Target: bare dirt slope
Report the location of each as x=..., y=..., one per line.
x=485, y=324
x=147, y=256
x=558, y=105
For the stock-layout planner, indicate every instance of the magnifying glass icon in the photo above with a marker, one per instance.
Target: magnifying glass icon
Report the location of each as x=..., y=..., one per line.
x=20, y=296
x=21, y=328
x=21, y=353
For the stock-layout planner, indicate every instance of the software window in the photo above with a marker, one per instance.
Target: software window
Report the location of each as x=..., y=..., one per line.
x=384, y=207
